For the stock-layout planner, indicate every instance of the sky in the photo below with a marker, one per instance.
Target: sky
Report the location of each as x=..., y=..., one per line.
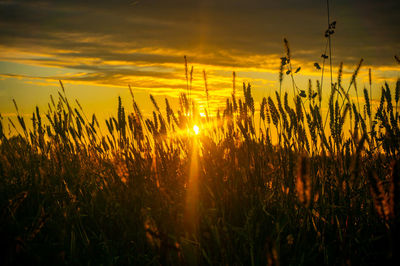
x=98, y=48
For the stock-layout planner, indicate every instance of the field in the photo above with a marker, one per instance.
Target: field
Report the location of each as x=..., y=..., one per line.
x=278, y=183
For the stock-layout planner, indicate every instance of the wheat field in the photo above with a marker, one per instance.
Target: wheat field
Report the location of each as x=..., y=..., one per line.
x=278, y=183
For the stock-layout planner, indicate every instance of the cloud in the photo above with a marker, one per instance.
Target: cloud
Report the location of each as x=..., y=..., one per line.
x=142, y=43
x=252, y=26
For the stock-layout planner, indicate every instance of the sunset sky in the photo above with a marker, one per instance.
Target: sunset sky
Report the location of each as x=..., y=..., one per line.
x=97, y=48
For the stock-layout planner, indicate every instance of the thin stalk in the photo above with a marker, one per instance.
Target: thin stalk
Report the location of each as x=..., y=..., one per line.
x=329, y=40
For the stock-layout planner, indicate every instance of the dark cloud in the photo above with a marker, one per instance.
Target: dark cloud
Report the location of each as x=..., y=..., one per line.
x=209, y=32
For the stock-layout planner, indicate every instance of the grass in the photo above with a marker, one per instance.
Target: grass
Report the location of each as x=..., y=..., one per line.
x=293, y=189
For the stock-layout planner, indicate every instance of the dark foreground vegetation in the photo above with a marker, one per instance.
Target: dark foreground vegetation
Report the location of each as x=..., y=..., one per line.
x=292, y=187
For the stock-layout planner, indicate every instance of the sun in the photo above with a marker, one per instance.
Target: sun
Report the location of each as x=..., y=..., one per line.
x=196, y=129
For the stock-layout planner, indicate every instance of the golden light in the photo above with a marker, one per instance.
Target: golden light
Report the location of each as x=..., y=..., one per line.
x=191, y=214
x=196, y=129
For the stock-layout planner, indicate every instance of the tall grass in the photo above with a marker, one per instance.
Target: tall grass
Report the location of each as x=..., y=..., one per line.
x=290, y=191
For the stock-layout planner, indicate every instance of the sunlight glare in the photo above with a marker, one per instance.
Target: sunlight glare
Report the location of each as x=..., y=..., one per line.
x=196, y=129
